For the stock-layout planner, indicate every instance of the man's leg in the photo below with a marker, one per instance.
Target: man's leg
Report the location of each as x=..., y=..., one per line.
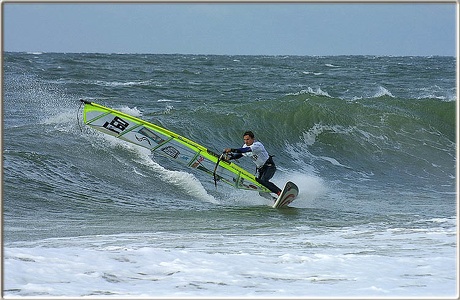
x=265, y=174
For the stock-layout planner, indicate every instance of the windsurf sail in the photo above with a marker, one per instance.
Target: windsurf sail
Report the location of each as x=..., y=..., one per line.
x=169, y=144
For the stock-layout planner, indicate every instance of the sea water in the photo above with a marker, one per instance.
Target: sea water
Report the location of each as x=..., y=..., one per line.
x=369, y=140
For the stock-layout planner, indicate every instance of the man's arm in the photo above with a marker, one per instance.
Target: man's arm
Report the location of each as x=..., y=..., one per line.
x=238, y=150
x=237, y=153
x=235, y=156
x=241, y=150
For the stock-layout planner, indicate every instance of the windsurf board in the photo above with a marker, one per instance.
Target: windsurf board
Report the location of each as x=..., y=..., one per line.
x=288, y=194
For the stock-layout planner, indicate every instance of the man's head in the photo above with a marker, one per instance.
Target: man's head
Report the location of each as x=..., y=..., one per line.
x=248, y=138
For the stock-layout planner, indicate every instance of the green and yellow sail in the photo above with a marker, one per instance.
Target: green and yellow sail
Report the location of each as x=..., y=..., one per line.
x=160, y=140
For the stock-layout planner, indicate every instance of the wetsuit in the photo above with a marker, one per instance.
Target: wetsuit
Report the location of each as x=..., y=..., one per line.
x=264, y=163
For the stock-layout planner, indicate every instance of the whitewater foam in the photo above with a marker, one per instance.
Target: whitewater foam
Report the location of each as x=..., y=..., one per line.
x=382, y=92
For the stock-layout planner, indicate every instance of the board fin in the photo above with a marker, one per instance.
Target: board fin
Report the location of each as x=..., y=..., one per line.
x=267, y=196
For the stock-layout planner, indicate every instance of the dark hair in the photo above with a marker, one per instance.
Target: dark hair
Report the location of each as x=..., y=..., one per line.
x=251, y=135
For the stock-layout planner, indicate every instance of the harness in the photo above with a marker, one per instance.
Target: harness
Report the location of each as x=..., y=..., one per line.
x=267, y=164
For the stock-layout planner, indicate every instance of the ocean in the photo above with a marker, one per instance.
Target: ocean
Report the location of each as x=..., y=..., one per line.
x=369, y=140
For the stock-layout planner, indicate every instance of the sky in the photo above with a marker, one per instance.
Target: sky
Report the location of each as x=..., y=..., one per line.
x=396, y=29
